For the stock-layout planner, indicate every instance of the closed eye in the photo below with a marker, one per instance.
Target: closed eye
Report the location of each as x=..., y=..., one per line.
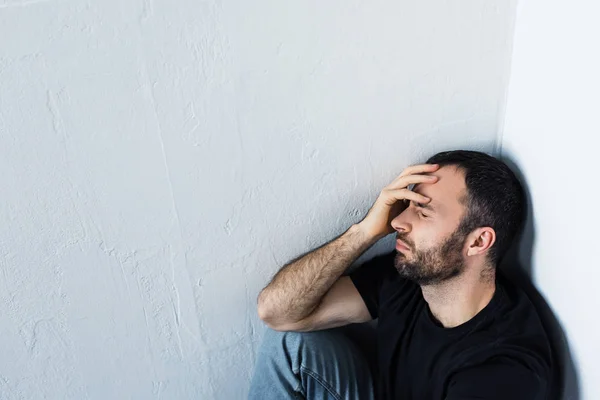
x=420, y=207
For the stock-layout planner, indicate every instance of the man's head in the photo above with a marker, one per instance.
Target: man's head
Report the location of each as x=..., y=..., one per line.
x=476, y=209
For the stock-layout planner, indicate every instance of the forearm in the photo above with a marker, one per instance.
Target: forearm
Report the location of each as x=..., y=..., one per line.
x=297, y=289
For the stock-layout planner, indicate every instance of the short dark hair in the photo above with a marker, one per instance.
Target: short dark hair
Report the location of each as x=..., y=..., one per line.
x=494, y=198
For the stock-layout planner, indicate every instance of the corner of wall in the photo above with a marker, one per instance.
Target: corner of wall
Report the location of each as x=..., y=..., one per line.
x=503, y=103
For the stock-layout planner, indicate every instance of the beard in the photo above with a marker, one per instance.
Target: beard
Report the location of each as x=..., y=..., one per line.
x=434, y=265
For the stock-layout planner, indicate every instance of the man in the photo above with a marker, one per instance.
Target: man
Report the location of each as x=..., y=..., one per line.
x=450, y=326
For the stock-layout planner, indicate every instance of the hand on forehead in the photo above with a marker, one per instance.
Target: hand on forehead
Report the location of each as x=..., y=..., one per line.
x=447, y=191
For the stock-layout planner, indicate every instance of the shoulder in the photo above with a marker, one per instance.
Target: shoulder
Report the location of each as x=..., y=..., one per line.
x=515, y=315
x=380, y=285
x=379, y=268
x=501, y=378
x=512, y=343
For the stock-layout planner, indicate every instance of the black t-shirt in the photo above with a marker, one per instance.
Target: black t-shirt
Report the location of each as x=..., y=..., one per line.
x=501, y=353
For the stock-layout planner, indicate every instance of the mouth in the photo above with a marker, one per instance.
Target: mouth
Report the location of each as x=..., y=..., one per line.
x=401, y=246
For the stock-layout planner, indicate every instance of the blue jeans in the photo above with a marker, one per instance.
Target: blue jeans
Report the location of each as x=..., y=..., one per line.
x=324, y=364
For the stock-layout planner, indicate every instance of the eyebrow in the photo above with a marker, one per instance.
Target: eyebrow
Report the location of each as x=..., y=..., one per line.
x=425, y=206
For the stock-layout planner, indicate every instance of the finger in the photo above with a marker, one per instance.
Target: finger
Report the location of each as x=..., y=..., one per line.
x=405, y=194
x=417, y=169
x=404, y=181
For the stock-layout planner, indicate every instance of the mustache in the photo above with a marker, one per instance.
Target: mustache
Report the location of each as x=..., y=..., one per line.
x=406, y=240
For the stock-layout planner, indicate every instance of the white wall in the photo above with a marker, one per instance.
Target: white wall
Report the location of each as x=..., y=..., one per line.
x=161, y=160
x=551, y=132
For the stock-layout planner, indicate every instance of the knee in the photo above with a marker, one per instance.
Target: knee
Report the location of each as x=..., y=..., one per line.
x=274, y=339
x=291, y=341
x=272, y=334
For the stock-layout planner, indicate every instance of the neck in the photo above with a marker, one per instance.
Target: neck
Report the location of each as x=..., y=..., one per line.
x=457, y=300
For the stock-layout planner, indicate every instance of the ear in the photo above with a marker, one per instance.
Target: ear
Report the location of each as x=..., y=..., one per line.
x=480, y=240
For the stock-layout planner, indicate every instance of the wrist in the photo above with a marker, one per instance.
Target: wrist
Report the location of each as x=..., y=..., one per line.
x=365, y=233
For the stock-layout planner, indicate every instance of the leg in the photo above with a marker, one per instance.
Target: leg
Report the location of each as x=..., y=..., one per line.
x=322, y=364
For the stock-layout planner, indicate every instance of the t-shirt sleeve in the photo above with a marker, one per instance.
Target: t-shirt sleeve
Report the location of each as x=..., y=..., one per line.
x=369, y=277
x=499, y=380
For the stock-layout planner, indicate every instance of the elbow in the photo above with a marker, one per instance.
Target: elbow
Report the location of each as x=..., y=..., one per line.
x=268, y=314
x=267, y=318
x=265, y=313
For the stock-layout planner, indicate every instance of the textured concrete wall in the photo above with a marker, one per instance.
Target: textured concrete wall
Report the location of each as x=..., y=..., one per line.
x=551, y=132
x=160, y=160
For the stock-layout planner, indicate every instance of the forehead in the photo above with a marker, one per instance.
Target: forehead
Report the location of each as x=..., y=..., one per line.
x=448, y=192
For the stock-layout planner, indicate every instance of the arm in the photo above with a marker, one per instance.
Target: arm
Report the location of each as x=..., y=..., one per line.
x=308, y=293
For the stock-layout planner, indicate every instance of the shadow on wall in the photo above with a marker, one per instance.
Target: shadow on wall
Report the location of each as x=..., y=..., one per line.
x=517, y=266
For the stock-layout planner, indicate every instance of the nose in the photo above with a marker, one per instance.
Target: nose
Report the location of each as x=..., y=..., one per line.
x=401, y=223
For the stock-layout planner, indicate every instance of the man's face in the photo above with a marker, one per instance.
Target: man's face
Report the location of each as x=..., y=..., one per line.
x=433, y=251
